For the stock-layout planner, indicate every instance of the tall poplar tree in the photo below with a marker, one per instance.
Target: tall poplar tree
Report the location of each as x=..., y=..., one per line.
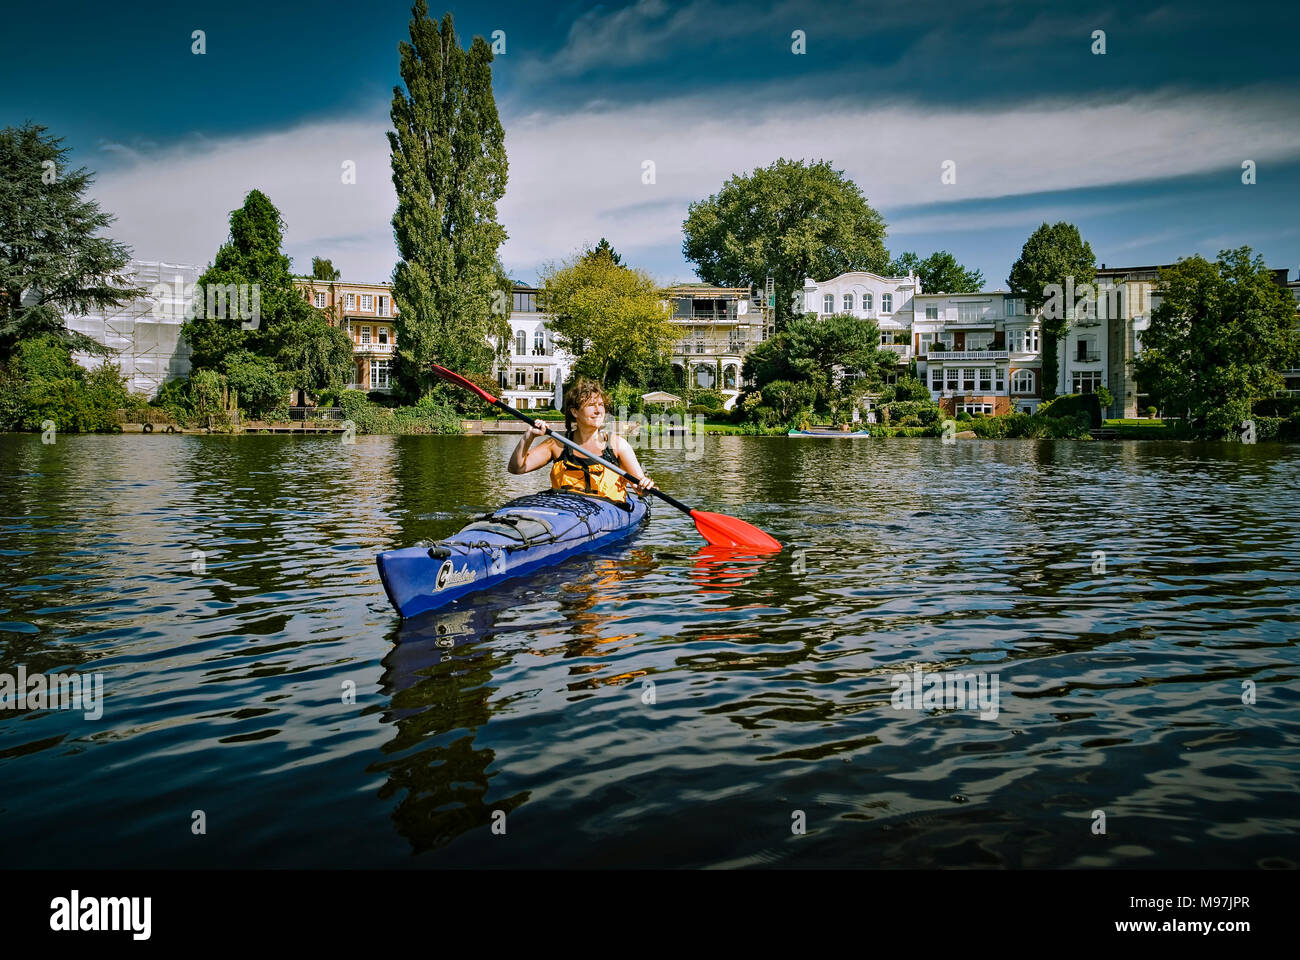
x=449, y=169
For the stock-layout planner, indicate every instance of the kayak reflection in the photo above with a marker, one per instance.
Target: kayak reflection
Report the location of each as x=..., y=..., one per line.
x=454, y=671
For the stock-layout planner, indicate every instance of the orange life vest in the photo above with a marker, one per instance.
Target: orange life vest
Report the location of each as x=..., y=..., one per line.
x=571, y=472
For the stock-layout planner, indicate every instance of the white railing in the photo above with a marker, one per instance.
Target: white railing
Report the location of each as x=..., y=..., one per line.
x=969, y=322
x=372, y=347
x=935, y=355
x=904, y=350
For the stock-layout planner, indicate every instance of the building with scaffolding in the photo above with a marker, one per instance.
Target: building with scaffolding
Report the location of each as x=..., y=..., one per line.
x=144, y=334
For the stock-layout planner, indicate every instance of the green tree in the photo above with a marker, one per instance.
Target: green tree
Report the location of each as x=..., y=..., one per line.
x=259, y=387
x=284, y=329
x=792, y=220
x=51, y=262
x=1217, y=339
x=611, y=318
x=939, y=272
x=1057, y=257
x=603, y=249
x=831, y=354
x=322, y=269
x=449, y=169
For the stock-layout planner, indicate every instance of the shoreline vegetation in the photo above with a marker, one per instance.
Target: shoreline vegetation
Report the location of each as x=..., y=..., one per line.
x=46, y=387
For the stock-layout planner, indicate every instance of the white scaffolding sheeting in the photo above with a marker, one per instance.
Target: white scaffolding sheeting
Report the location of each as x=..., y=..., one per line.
x=145, y=334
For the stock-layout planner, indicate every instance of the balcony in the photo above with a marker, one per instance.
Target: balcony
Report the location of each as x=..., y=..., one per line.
x=904, y=350
x=969, y=322
x=1087, y=356
x=936, y=356
x=1087, y=321
x=372, y=347
x=711, y=348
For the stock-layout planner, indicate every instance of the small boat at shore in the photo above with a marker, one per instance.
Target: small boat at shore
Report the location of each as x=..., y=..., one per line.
x=829, y=433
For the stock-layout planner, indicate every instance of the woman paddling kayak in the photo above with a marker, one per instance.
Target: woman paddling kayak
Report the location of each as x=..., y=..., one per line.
x=584, y=417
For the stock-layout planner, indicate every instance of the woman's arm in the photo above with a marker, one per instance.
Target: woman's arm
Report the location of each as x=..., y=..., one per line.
x=524, y=460
x=628, y=461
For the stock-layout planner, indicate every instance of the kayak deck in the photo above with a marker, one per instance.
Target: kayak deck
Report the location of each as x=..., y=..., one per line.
x=516, y=539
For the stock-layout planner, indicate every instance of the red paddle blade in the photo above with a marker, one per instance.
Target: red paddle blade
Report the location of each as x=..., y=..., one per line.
x=723, y=531
x=460, y=381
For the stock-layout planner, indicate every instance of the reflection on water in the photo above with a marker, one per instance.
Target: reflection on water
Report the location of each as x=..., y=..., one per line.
x=660, y=702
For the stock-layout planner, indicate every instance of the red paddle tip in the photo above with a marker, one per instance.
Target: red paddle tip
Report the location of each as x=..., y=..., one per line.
x=723, y=531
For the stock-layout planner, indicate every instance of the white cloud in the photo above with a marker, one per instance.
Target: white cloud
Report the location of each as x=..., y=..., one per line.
x=578, y=176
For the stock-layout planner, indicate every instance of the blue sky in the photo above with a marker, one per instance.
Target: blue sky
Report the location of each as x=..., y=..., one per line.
x=1140, y=147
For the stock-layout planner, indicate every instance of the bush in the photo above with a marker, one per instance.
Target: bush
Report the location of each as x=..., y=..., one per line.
x=963, y=416
x=257, y=385
x=1070, y=405
x=926, y=412
x=766, y=416
x=1151, y=413
x=707, y=398
x=625, y=395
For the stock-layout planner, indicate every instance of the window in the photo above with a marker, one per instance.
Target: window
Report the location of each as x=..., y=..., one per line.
x=525, y=303
x=848, y=302
x=539, y=377
x=931, y=312
x=539, y=343
x=985, y=408
x=999, y=379
x=1086, y=350
x=946, y=339
x=367, y=303
x=886, y=303
x=365, y=334
x=1013, y=307
x=521, y=343
x=320, y=300
x=926, y=340
x=521, y=378
x=970, y=312
x=978, y=341
x=383, y=334
x=1022, y=381
x=986, y=379
x=349, y=301
x=884, y=338
x=936, y=379
x=1031, y=340
x=952, y=378
x=380, y=374
x=1088, y=381
x=866, y=301
x=968, y=379
x=828, y=303
x=383, y=306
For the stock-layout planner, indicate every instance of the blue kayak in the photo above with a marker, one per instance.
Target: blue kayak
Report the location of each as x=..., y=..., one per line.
x=524, y=535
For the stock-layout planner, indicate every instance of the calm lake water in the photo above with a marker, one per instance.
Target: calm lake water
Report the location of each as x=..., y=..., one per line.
x=656, y=704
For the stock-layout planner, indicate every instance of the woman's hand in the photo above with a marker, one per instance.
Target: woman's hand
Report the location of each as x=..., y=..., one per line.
x=538, y=429
x=644, y=487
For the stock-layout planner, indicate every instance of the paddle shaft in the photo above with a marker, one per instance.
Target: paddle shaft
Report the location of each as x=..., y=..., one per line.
x=591, y=456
